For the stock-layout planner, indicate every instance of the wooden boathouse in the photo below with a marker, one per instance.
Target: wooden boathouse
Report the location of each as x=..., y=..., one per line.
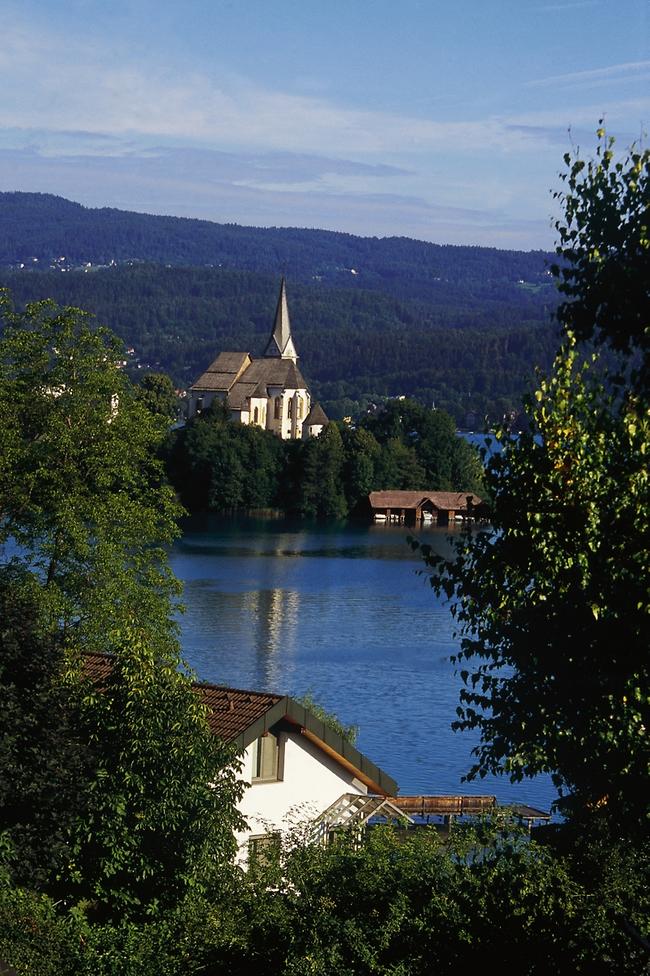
x=411, y=507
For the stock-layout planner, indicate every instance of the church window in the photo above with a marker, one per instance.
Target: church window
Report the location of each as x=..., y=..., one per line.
x=278, y=408
x=299, y=408
x=290, y=409
x=256, y=415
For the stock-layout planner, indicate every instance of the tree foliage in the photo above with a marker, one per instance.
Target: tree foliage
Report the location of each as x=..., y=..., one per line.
x=217, y=465
x=44, y=761
x=82, y=494
x=553, y=603
x=398, y=903
x=604, y=248
x=123, y=796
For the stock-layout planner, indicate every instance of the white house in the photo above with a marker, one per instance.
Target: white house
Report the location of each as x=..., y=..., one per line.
x=296, y=767
x=269, y=392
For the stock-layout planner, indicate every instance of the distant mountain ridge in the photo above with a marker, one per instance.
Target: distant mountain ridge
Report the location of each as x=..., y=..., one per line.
x=460, y=326
x=48, y=227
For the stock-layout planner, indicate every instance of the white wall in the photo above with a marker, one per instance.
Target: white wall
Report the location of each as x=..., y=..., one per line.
x=311, y=782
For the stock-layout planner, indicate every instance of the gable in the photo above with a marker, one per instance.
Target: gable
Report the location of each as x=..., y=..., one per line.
x=241, y=717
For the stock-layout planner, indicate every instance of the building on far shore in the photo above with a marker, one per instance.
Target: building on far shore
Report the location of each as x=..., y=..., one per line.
x=269, y=392
x=411, y=507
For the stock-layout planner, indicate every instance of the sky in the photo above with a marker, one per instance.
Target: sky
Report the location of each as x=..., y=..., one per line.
x=442, y=121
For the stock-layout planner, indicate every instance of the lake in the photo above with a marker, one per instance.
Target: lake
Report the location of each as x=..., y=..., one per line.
x=342, y=611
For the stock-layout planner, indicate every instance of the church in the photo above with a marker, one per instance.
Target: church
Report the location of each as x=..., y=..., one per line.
x=269, y=392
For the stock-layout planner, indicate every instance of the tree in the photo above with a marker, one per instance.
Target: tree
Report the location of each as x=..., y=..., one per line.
x=159, y=395
x=553, y=602
x=161, y=797
x=85, y=513
x=82, y=494
x=321, y=486
x=361, y=454
x=44, y=762
x=604, y=252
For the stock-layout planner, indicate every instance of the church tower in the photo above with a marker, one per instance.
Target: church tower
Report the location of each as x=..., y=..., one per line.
x=280, y=344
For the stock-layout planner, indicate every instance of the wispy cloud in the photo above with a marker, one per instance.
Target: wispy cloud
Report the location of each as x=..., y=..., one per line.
x=42, y=89
x=609, y=75
x=170, y=184
x=571, y=5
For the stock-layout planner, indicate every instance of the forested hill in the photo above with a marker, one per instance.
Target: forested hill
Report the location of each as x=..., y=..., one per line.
x=463, y=327
x=46, y=227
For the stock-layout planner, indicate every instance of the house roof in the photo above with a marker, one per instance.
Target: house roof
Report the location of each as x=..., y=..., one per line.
x=443, y=500
x=241, y=717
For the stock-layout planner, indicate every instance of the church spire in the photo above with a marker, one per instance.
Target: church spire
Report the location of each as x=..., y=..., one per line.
x=281, y=343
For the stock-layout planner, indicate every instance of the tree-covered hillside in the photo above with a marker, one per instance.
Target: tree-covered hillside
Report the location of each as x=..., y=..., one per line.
x=46, y=227
x=461, y=327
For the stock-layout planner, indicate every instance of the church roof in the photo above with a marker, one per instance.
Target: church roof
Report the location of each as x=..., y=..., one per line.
x=262, y=374
x=316, y=416
x=223, y=372
x=281, y=344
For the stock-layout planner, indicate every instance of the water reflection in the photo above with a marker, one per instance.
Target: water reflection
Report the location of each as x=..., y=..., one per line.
x=346, y=612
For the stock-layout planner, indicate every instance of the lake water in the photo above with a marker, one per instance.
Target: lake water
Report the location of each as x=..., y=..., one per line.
x=344, y=612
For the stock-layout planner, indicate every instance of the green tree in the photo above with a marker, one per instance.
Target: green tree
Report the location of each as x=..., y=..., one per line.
x=321, y=486
x=398, y=467
x=85, y=514
x=604, y=252
x=44, y=761
x=160, y=815
x=82, y=493
x=361, y=454
x=553, y=603
x=157, y=392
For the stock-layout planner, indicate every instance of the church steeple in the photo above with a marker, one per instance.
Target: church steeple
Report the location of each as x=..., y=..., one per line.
x=281, y=344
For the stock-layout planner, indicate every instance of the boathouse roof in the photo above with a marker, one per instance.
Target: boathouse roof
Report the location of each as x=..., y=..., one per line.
x=449, y=501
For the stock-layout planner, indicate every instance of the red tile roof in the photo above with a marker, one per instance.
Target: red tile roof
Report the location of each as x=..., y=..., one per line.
x=241, y=717
x=230, y=710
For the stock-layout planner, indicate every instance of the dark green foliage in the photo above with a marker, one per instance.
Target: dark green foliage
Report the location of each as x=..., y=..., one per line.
x=217, y=465
x=553, y=606
x=123, y=796
x=158, y=394
x=362, y=452
x=321, y=492
x=397, y=904
x=44, y=760
x=605, y=266
x=161, y=793
x=423, y=445
x=81, y=490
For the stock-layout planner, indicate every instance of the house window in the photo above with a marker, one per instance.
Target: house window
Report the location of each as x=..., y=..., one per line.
x=268, y=756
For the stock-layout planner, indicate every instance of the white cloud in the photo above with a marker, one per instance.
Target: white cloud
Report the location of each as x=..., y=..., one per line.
x=57, y=86
x=611, y=74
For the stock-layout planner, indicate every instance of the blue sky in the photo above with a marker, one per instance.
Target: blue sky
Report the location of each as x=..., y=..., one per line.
x=444, y=121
